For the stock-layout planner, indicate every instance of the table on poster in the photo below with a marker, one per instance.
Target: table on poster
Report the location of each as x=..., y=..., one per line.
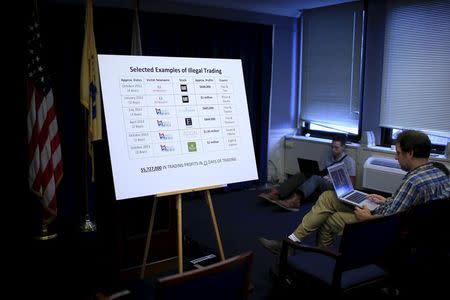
x=178, y=115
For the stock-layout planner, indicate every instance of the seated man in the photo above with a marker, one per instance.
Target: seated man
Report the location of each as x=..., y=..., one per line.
x=423, y=182
x=291, y=192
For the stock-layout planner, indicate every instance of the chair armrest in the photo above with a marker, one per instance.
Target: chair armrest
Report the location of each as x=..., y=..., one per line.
x=287, y=243
x=306, y=248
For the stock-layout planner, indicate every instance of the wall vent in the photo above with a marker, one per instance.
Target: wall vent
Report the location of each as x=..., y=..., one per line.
x=382, y=174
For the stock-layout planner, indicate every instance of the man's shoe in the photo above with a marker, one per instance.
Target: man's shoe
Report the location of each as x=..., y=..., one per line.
x=291, y=204
x=271, y=197
x=273, y=246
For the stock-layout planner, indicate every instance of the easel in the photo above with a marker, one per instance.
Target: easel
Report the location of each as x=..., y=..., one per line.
x=180, y=225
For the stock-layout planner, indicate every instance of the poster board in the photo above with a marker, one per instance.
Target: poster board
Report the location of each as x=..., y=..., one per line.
x=175, y=123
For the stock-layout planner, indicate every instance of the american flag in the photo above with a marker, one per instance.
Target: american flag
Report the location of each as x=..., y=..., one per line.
x=44, y=147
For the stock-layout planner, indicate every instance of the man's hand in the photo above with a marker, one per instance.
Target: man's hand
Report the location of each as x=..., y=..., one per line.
x=376, y=198
x=363, y=213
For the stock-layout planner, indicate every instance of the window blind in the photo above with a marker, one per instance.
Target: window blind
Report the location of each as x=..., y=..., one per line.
x=331, y=63
x=416, y=66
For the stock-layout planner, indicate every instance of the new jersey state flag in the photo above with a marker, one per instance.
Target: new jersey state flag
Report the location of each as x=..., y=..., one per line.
x=90, y=95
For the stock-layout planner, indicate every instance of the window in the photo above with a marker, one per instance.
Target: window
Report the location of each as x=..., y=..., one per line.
x=438, y=143
x=331, y=63
x=416, y=68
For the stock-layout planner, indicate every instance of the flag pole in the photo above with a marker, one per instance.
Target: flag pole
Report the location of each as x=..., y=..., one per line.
x=44, y=234
x=88, y=225
x=91, y=101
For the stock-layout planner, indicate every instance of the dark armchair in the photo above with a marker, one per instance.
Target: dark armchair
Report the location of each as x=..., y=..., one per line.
x=226, y=280
x=423, y=258
x=365, y=246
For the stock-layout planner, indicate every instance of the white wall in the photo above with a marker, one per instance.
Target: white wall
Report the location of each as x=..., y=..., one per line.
x=276, y=154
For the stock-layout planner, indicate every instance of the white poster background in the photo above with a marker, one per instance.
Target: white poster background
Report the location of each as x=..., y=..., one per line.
x=175, y=123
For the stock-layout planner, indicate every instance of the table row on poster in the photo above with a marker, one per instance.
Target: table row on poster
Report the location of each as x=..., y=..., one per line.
x=155, y=124
x=171, y=100
x=133, y=86
x=130, y=113
x=140, y=138
x=182, y=147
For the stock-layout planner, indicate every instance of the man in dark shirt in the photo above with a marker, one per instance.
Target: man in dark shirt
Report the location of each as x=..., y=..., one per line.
x=290, y=193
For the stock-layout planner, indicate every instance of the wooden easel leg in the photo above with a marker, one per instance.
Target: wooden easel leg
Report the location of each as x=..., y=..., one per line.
x=180, y=234
x=214, y=221
x=149, y=235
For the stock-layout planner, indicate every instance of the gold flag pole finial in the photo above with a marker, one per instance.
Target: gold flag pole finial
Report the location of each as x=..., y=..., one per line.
x=44, y=234
x=88, y=225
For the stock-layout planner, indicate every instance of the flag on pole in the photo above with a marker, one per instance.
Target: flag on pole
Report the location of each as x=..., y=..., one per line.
x=90, y=95
x=136, y=47
x=45, y=167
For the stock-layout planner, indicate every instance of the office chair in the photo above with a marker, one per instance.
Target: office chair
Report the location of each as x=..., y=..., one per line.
x=426, y=227
x=423, y=256
x=364, y=246
x=226, y=280
x=425, y=238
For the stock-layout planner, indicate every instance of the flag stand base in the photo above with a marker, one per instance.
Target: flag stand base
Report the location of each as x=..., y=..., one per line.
x=45, y=235
x=88, y=225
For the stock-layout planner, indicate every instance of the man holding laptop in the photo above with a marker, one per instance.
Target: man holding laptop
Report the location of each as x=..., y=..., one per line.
x=344, y=189
x=423, y=182
x=300, y=186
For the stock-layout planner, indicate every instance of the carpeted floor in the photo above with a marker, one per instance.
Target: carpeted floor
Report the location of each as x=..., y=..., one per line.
x=242, y=217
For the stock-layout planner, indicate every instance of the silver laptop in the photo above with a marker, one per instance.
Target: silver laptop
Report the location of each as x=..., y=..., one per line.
x=344, y=188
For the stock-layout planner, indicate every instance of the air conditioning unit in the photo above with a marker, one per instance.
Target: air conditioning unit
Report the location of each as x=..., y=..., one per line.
x=382, y=174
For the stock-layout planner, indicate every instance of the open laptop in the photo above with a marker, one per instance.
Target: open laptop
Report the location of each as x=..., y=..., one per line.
x=344, y=188
x=308, y=167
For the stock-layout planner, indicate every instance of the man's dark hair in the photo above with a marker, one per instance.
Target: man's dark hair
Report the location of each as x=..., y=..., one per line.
x=340, y=138
x=416, y=141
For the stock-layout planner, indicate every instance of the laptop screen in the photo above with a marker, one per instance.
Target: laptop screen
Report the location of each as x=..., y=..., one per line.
x=308, y=166
x=341, y=181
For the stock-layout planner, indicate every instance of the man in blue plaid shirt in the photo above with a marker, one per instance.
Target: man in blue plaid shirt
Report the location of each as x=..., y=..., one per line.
x=423, y=182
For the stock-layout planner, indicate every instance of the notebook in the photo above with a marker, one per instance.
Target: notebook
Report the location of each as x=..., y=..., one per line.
x=308, y=167
x=344, y=189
